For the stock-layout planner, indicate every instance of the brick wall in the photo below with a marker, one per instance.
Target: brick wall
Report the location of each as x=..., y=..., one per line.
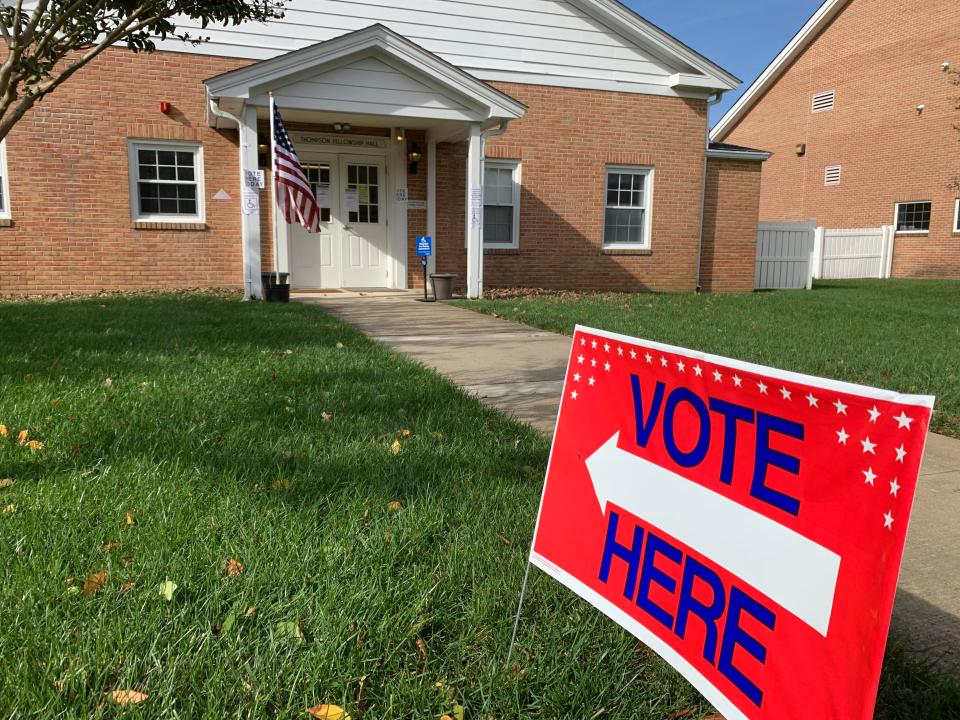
x=882, y=58
x=67, y=162
x=564, y=142
x=730, y=214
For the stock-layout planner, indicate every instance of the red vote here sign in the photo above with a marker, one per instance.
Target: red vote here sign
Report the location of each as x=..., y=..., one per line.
x=744, y=522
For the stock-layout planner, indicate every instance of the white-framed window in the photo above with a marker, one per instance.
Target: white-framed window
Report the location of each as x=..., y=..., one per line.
x=831, y=175
x=823, y=101
x=166, y=181
x=501, y=203
x=956, y=216
x=913, y=217
x=627, y=211
x=4, y=183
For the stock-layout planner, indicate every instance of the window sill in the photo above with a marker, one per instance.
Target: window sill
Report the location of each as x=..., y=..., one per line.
x=621, y=250
x=6, y=222
x=501, y=251
x=914, y=233
x=162, y=225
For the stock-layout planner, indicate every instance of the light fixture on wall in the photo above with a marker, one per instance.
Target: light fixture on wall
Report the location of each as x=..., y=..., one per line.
x=413, y=158
x=342, y=127
x=399, y=135
x=920, y=109
x=801, y=149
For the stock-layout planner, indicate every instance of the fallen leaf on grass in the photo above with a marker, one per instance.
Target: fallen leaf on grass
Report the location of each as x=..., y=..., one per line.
x=22, y=436
x=395, y=447
x=55, y=402
x=326, y=417
x=167, y=589
x=290, y=629
x=437, y=435
x=394, y=506
x=127, y=587
x=59, y=685
x=9, y=509
x=129, y=518
x=4, y=431
x=328, y=712
x=233, y=568
x=404, y=434
x=422, y=650
x=110, y=546
x=458, y=712
x=250, y=612
x=5, y=483
x=94, y=584
x=127, y=697
x=34, y=445
x=108, y=383
x=504, y=539
x=282, y=484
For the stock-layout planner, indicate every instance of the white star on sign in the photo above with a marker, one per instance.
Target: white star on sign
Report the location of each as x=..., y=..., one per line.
x=737, y=380
x=649, y=358
x=842, y=434
x=606, y=366
x=593, y=362
x=663, y=361
x=680, y=366
x=606, y=347
x=894, y=487
x=841, y=408
x=903, y=421
x=901, y=454
x=574, y=395
x=868, y=446
x=593, y=344
x=698, y=371
x=717, y=376
x=762, y=388
x=633, y=354
x=814, y=402
x=874, y=414
x=888, y=521
x=580, y=359
x=576, y=377
x=786, y=393
x=583, y=341
x=870, y=476
x=592, y=381
x=620, y=351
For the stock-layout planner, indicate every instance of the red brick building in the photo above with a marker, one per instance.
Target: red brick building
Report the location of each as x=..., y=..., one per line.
x=549, y=144
x=859, y=113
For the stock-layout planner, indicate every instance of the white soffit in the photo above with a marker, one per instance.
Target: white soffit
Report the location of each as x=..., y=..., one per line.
x=808, y=33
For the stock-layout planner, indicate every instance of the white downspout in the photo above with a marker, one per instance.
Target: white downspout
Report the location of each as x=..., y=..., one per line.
x=484, y=134
x=703, y=185
x=250, y=287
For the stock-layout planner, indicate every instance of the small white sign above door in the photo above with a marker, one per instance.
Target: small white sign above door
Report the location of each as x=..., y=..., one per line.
x=349, y=142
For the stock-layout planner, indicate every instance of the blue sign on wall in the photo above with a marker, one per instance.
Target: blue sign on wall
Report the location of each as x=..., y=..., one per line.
x=424, y=245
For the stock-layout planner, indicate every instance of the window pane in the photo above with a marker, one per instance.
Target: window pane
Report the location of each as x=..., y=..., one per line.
x=498, y=224
x=166, y=172
x=188, y=191
x=613, y=181
x=166, y=157
x=147, y=156
x=148, y=190
x=188, y=207
x=185, y=173
x=374, y=214
x=149, y=206
x=913, y=217
x=148, y=172
x=168, y=207
x=185, y=159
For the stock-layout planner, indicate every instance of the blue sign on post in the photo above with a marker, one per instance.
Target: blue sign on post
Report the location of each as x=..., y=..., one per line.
x=424, y=246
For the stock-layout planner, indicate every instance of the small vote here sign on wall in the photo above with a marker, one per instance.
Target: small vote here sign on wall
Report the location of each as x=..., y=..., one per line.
x=744, y=522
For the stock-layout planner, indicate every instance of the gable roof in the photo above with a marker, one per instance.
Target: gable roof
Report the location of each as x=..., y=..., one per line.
x=592, y=44
x=255, y=80
x=772, y=73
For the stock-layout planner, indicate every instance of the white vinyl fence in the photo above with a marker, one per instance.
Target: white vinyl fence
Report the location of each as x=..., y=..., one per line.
x=785, y=255
x=847, y=254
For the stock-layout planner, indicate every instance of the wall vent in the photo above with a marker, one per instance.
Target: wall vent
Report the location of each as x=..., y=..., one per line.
x=823, y=101
x=831, y=175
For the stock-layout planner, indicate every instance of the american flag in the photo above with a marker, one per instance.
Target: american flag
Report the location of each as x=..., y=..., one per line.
x=295, y=197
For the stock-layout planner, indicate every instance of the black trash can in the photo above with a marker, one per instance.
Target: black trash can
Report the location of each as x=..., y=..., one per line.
x=276, y=287
x=443, y=284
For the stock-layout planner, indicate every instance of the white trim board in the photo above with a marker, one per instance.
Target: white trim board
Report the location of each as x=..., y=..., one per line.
x=807, y=34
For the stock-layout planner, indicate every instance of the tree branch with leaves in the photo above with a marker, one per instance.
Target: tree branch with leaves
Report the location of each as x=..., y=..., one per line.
x=48, y=41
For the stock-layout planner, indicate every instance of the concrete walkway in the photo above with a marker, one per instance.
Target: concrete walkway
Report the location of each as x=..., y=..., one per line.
x=520, y=370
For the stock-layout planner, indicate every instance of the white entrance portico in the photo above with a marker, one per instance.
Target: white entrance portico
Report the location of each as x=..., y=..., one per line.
x=371, y=78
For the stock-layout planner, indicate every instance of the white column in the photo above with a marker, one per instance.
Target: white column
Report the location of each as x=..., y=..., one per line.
x=432, y=202
x=474, y=215
x=250, y=231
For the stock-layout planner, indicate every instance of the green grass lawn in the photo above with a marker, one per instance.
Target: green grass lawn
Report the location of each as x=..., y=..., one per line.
x=187, y=436
x=901, y=335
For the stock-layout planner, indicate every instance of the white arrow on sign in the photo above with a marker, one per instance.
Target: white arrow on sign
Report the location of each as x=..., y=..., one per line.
x=790, y=569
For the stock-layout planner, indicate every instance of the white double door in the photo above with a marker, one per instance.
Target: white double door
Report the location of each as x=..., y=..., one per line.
x=351, y=248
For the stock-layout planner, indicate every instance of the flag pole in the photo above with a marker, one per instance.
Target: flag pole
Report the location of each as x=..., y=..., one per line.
x=273, y=191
